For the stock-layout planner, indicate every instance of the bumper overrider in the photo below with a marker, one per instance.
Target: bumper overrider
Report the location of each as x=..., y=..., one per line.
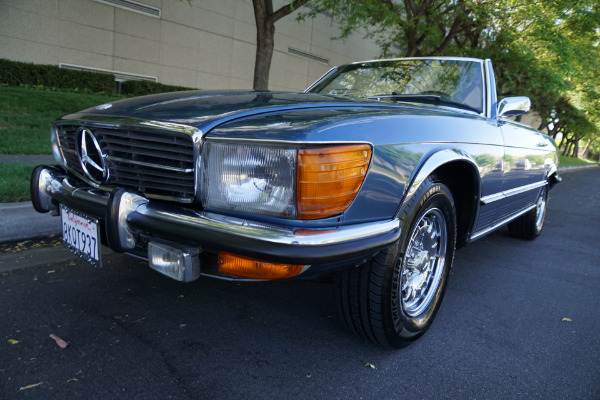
x=135, y=224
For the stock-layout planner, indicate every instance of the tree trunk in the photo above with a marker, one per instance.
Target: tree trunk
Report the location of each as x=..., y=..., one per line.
x=586, y=148
x=412, y=43
x=265, y=42
x=265, y=19
x=568, y=146
x=563, y=145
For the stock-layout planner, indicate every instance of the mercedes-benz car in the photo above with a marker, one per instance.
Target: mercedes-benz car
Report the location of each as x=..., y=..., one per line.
x=373, y=176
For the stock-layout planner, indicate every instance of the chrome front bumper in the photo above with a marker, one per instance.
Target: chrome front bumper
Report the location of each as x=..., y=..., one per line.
x=210, y=231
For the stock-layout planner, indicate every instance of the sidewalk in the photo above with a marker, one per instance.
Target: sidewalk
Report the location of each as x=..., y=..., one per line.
x=26, y=159
x=20, y=221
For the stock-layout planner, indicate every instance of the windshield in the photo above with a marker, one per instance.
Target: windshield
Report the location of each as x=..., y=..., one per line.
x=450, y=81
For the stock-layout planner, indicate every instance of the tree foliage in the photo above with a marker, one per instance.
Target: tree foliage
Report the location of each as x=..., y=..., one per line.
x=547, y=50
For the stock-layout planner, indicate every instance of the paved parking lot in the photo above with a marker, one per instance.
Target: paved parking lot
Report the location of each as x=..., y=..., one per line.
x=520, y=320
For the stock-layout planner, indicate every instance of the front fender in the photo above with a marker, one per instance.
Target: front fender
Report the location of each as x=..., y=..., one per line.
x=434, y=162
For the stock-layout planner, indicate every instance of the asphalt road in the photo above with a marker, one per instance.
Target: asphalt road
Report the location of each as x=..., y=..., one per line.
x=520, y=320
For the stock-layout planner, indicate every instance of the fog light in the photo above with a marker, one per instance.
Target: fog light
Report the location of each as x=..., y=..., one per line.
x=180, y=264
x=251, y=268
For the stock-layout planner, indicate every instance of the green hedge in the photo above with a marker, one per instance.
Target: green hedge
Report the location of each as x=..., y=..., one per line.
x=140, y=88
x=14, y=73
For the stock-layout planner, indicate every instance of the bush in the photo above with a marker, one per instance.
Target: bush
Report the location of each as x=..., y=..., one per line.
x=15, y=73
x=140, y=88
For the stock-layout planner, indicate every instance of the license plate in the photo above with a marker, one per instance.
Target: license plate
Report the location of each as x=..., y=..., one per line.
x=80, y=235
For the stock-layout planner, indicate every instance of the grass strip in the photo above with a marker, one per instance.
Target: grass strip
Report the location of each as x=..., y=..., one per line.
x=573, y=161
x=14, y=182
x=26, y=115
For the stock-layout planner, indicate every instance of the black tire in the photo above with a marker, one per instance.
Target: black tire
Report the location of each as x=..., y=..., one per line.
x=375, y=301
x=529, y=225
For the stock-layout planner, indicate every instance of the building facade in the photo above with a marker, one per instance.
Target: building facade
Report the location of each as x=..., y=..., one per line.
x=207, y=44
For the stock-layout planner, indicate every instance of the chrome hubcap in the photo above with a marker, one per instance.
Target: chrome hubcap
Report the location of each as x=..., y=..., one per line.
x=540, y=210
x=423, y=262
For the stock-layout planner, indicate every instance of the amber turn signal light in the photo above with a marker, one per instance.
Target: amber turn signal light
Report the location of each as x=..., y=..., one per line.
x=251, y=268
x=329, y=178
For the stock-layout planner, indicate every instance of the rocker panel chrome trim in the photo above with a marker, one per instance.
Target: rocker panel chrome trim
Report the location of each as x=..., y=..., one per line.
x=484, y=232
x=503, y=195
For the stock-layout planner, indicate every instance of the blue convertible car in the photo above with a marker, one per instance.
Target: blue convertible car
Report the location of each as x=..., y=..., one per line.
x=374, y=175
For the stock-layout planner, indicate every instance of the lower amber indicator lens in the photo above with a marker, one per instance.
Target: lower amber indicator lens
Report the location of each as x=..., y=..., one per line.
x=245, y=267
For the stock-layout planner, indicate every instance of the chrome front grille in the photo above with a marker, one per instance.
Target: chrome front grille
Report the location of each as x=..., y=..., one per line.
x=157, y=163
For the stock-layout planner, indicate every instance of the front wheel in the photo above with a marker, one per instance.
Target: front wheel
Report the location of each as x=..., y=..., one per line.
x=394, y=297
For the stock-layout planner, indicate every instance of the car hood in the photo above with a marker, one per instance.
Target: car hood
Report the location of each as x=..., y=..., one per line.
x=206, y=109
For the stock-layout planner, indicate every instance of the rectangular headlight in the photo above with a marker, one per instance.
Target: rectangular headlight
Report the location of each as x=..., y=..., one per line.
x=248, y=178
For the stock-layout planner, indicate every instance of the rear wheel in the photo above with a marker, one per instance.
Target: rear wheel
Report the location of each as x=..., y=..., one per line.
x=529, y=225
x=394, y=297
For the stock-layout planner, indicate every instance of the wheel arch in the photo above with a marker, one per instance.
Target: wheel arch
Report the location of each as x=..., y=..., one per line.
x=457, y=170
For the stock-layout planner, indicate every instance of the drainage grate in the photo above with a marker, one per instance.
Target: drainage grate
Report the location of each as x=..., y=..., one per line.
x=310, y=56
x=119, y=75
x=133, y=6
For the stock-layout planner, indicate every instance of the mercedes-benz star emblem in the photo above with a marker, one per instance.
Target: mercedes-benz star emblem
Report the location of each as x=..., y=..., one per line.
x=90, y=156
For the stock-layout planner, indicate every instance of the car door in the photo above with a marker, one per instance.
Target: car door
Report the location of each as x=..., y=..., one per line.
x=525, y=165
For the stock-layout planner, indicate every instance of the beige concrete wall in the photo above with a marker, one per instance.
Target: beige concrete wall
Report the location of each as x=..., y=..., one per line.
x=207, y=44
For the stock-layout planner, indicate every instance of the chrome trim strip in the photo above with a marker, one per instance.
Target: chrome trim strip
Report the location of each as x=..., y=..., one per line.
x=434, y=161
x=492, y=197
x=479, y=234
x=103, y=121
x=449, y=58
x=503, y=195
x=487, y=95
x=239, y=227
x=298, y=143
x=111, y=189
x=198, y=139
x=231, y=278
x=525, y=188
x=331, y=70
x=150, y=165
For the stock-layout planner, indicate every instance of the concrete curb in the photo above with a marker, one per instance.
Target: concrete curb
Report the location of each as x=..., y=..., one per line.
x=577, y=167
x=35, y=257
x=20, y=221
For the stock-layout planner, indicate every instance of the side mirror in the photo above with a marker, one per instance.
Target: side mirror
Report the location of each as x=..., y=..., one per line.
x=514, y=106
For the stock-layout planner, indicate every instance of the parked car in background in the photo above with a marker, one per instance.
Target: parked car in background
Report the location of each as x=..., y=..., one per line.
x=373, y=175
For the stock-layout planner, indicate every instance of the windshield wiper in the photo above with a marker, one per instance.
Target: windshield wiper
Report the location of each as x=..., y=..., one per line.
x=426, y=98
